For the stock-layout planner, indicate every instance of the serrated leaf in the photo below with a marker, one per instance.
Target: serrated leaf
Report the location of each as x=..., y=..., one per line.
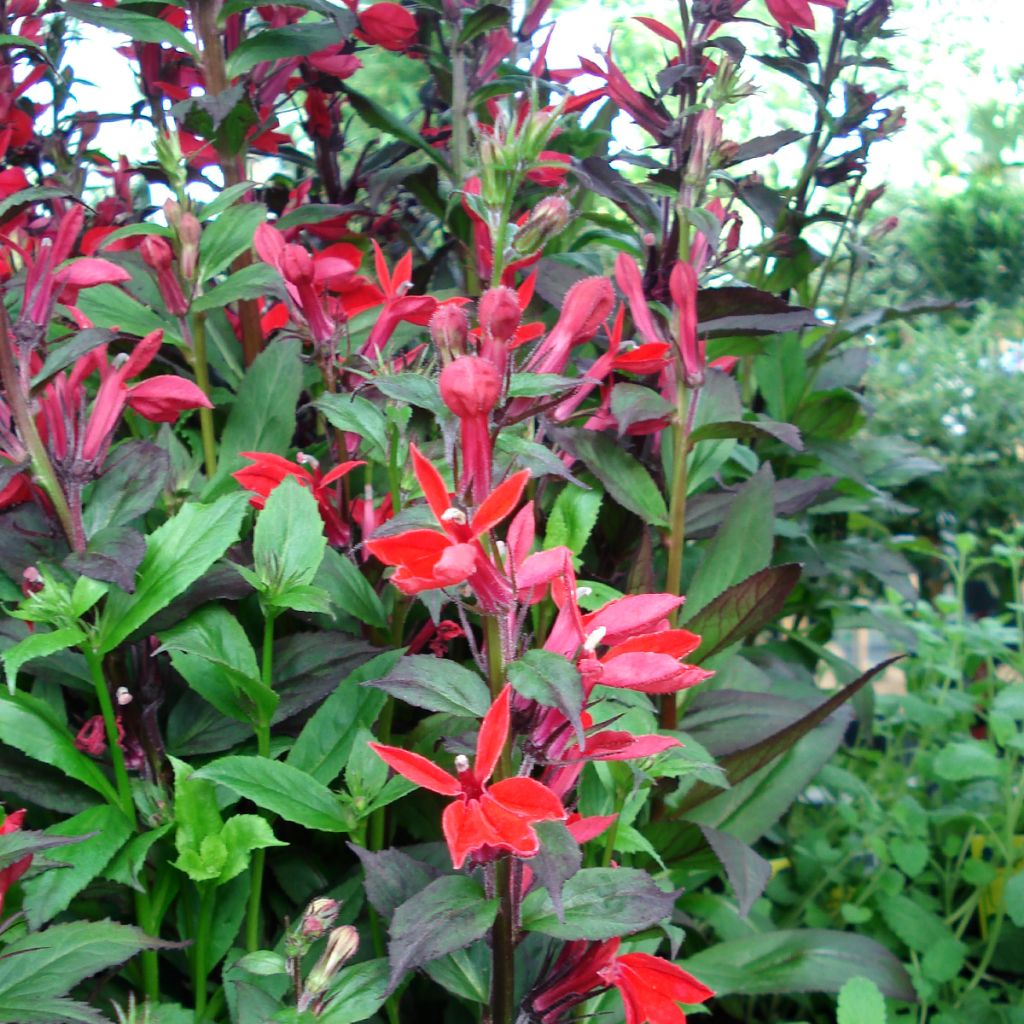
x=599, y=903
x=357, y=415
x=251, y=282
x=437, y=685
x=965, y=760
x=133, y=477
x=282, y=788
x=748, y=872
x=447, y=915
x=142, y=27
x=553, y=681
x=177, y=554
x=860, y=1002
x=38, y=645
x=624, y=478
x=558, y=859
x=289, y=541
x=271, y=44
x=572, y=518
x=356, y=993
x=349, y=589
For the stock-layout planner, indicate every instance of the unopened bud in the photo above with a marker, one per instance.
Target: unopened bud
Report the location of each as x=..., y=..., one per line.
x=499, y=314
x=318, y=917
x=156, y=253
x=547, y=220
x=470, y=387
x=341, y=947
x=449, y=330
x=189, y=233
x=307, y=460
x=173, y=213
x=31, y=581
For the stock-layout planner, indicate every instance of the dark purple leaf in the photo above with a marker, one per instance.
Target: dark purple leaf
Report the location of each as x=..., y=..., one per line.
x=597, y=175
x=784, y=432
x=743, y=609
x=739, y=300
x=436, y=685
x=764, y=146
x=551, y=680
x=748, y=872
x=392, y=878
x=766, y=323
x=559, y=859
x=447, y=915
x=599, y=903
x=706, y=511
x=633, y=403
x=133, y=476
x=875, y=317
x=113, y=555
x=64, y=353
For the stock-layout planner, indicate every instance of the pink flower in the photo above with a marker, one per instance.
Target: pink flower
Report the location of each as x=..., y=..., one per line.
x=10, y=874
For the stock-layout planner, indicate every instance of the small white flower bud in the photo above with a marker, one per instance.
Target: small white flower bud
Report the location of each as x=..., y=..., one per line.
x=454, y=515
x=122, y=696
x=461, y=763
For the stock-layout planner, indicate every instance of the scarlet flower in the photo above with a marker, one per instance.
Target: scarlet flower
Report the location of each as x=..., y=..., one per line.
x=792, y=14
x=585, y=307
x=428, y=559
x=269, y=470
x=483, y=820
x=470, y=388
x=651, y=988
x=389, y=25
x=10, y=874
x=398, y=305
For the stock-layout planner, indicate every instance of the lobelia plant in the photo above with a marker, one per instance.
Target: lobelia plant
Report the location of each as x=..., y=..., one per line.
x=202, y=701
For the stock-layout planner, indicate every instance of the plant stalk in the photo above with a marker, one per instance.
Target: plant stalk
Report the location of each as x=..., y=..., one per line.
x=42, y=468
x=201, y=950
x=252, y=921
x=202, y=371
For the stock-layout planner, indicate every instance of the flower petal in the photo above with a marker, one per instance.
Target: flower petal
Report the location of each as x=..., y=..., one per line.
x=499, y=503
x=528, y=799
x=431, y=483
x=418, y=769
x=490, y=741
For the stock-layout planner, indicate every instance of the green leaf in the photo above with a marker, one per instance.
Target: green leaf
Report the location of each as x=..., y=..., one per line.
x=228, y=236
x=389, y=125
x=633, y=403
x=177, y=554
x=599, y=903
x=323, y=746
x=539, y=385
x=784, y=432
x=271, y=44
x=242, y=834
x=262, y=418
x=437, y=685
x=962, y=761
x=225, y=198
x=38, y=645
x=16, y=845
x=61, y=356
x=742, y=610
x=213, y=654
x=141, y=27
x=911, y=856
x=447, y=915
x=250, y=282
x=357, y=415
x=30, y=725
x=572, y=518
x=412, y=389
x=1013, y=896
x=860, y=1002
x=804, y=960
x=484, y=19
x=558, y=859
x=349, y=589
x=106, y=305
x=282, y=788
x=27, y=196
x=262, y=962
x=742, y=545
x=105, y=829
x=50, y=962
x=625, y=479
x=553, y=681
x=356, y=993
x=365, y=774
x=288, y=542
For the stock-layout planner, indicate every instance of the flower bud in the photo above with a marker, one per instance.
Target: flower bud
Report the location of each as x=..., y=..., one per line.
x=499, y=314
x=341, y=947
x=547, y=220
x=470, y=387
x=156, y=253
x=296, y=265
x=319, y=915
x=189, y=232
x=586, y=306
x=449, y=331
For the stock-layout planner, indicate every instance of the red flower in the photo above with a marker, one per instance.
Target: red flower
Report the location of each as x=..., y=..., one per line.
x=388, y=25
x=483, y=819
x=10, y=874
x=398, y=305
x=792, y=14
x=651, y=988
x=470, y=388
x=268, y=470
x=427, y=559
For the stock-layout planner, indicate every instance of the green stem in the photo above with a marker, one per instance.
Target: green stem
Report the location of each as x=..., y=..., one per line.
x=201, y=950
x=259, y=857
x=42, y=468
x=669, y=716
x=94, y=662
x=202, y=371
x=501, y=232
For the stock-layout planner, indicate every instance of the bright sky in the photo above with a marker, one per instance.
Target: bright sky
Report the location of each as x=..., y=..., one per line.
x=959, y=60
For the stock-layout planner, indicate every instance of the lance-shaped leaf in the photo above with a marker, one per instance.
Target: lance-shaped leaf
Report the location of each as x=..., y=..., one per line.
x=15, y=845
x=743, y=763
x=553, y=681
x=392, y=878
x=801, y=960
x=428, y=682
x=557, y=861
x=706, y=511
x=748, y=872
x=113, y=555
x=280, y=788
x=447, y=915
x=784, y=432
x=38, y=645
x=599, y=903
x=742, y=610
